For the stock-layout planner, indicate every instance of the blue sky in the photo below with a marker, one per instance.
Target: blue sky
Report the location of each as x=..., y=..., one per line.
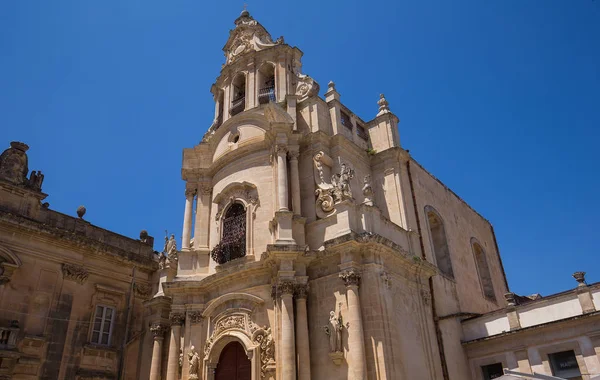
x=499, y=99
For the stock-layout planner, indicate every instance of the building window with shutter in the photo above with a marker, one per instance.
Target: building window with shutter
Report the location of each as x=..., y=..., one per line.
x=103, y=325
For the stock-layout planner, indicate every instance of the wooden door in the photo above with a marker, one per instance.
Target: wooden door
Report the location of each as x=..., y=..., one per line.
x=233, y=363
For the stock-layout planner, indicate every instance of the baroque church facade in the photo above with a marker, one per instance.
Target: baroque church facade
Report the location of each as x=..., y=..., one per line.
x=314, y=247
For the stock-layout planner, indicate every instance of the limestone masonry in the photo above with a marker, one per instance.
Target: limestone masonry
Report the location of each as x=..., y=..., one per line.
x=314, y=247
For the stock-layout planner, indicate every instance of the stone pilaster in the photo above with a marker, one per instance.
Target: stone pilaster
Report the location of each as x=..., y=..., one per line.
x=356, y=343
x=511, y=311
x=158, y=332
x=174, y=346
x=302, y=342
x=187, y=219
x=583, y=293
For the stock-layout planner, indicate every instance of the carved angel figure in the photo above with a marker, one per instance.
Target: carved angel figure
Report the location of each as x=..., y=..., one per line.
x=194, y=361
x=171, y=248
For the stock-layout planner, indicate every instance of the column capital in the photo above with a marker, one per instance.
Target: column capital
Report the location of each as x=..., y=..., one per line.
x=281, y=149
x=195, y=317
x=177, y=319
x=293, y=154
x=301, y=291
x=351, y=277
x=205, y=189
x=158, y=330
x=190, y=192
x=286, y=288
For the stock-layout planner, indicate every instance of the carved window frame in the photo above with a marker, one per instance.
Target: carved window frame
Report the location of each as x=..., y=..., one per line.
x=106, y=296
x=246, y=194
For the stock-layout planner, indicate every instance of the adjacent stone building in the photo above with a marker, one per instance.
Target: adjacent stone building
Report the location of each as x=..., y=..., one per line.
x=71, y=293
x=314, y=247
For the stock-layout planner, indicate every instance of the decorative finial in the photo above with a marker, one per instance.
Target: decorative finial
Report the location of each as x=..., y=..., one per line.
x=331, y=85
x=19, y=145
x=245, y=12
x=580, y=277
x=81, y=211
x=383, y=105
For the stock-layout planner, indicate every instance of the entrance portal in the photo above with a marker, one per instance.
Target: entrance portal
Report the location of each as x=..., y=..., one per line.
x=233, y=363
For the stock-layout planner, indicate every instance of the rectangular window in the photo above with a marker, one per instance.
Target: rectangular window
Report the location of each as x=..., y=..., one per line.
x=346, y=122
x=103, y=324
x=492, y=371
x=564, y=364
x=362, y=132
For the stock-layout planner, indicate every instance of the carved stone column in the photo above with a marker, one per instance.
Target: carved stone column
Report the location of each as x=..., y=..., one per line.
x=187, y=219
x=302, y=342
x=356, y=341
x=288, y=344
x=158, y=331
x=282, y=182
x=174, y=346
x=296, y=206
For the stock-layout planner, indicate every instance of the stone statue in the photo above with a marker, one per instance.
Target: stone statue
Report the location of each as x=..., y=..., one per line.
x=194, y=362
x=367, y=191
x=334, y=331
x=170, y=249
x=13, y=164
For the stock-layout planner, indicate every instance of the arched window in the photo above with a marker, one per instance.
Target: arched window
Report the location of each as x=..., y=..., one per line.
x=266, y=84
x=233, y=240
x=438, y=241
x=485, y=277
x=238, y=94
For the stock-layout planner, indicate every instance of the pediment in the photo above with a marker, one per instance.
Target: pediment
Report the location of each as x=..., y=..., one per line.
x=248, y=35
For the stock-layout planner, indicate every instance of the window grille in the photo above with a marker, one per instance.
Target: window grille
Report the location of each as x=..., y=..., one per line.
x=346, y=122
x=233, y=241
x=362, y=132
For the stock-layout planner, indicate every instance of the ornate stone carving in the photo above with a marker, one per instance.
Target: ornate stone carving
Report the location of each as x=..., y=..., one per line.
x=301, y=290
x=329, y=194
x=170, y=249
x=190, y=192
x=261, y=336
x=281, y=149
x=510, y=298
x=293, y=154
x=194, y=362
x=247, y=36
x=74, y=273
x=240, y=190
x=387, y=280
x=141, y=290
x=306, y=87
x=158, y=330
x=334, y=330
x=285, y=287
x=13, y=163
x=350, y=277
x=264, y=338
x=206, y=190
x=580, y=278
x=177, y=318
x=367, y=191
x=383, y=105
x=195, y=317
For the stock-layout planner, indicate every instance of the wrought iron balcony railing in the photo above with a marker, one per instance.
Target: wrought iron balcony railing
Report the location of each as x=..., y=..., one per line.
x=238, y=105
x=266, y=95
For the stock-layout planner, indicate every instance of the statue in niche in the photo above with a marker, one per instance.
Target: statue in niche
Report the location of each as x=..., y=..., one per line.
x=367, y=191
x=194, y=361
x=334, y=331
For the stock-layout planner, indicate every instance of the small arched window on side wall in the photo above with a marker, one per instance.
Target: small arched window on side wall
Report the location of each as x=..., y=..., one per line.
x=439, y=243
x=483, y=270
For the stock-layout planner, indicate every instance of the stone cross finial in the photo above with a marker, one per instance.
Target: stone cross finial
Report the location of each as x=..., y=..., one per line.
x=383, y=105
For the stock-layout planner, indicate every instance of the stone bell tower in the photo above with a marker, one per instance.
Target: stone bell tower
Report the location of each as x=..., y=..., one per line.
x=302, y=252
